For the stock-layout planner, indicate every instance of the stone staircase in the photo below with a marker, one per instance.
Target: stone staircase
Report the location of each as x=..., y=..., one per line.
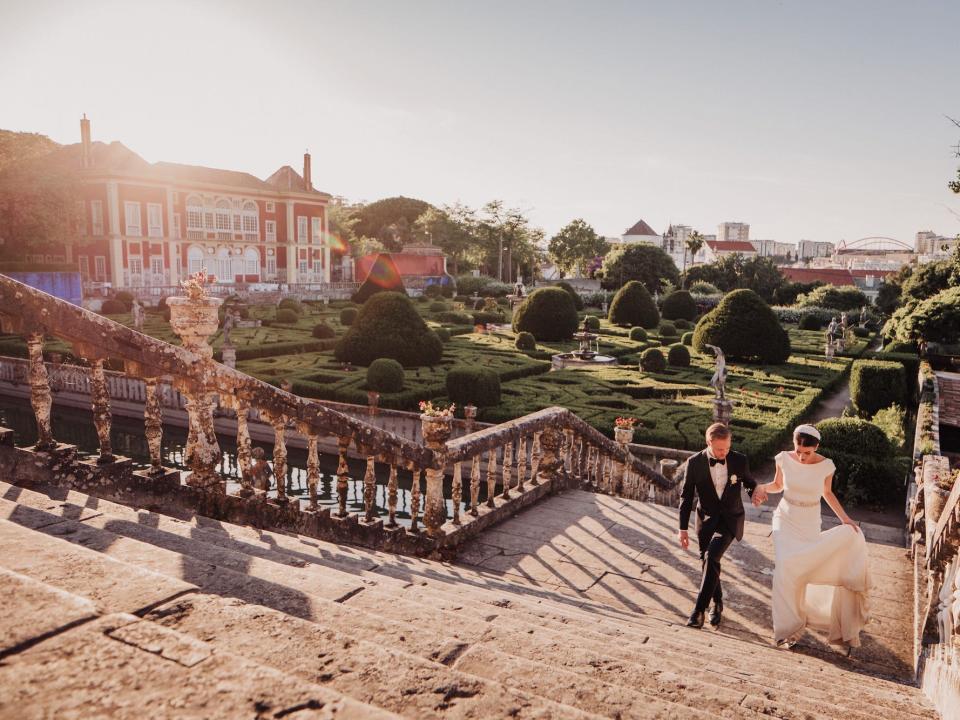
x=574, y=608
x=949, y=383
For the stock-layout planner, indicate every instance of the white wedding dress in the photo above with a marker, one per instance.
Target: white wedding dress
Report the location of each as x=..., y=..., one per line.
x=820, y=579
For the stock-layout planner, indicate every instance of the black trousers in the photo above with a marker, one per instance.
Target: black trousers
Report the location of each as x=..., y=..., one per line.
x=710, y=557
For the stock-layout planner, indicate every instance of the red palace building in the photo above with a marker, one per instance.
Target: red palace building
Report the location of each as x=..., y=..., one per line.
x=149, y=225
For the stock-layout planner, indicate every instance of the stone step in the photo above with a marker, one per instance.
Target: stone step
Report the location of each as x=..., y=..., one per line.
x=121, y=667
x=39, y=500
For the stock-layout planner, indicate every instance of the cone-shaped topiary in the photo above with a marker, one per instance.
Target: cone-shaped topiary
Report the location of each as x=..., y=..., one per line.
x=383, y=277
x=548, y=314
x=389, y=326
x=632, y=305
x=679, y=305
x=745, y=328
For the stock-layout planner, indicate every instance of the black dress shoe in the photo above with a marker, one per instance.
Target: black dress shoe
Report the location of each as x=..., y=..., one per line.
x=696, y=620
x=716, y=614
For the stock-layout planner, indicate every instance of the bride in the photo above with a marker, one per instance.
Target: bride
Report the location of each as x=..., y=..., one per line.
x=820, y=579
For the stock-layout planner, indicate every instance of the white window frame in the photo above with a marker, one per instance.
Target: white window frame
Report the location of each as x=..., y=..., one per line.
x=251, y=222
x=154, y=213
x=96, y=217
x=271, y=266
x=156, y=265
x=302, y=229
x=177, y=232
x=131, y=211
x=271, y=230
x=316, y=231
x=304, y=266
x=135, y=263
x=84, y=266
x=100, y=267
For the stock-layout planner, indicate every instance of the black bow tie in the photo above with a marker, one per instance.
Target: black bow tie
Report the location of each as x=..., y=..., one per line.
x=715, y=461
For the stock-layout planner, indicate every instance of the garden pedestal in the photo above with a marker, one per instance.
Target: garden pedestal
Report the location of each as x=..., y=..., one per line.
x=722, y=411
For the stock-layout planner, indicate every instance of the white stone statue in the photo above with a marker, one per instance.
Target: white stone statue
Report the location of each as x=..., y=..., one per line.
x=719, y=380
x=137, y=311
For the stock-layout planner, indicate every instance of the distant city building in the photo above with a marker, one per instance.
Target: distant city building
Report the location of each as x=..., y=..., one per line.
x=869, y=281
x=932, y=246
x=716, y=249
x=774, y=248
x=419, y=265
x=808, y=249
x=733, y=232
x=675, y=245
x=640, y=232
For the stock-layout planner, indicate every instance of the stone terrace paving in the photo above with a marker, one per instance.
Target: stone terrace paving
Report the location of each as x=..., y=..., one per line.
x=573, y=608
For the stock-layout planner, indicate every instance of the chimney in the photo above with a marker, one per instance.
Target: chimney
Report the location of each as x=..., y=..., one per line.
x=87, y=159
x=307, y=180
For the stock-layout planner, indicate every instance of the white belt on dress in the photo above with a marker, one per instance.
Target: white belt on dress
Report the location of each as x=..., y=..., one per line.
x=799, y=503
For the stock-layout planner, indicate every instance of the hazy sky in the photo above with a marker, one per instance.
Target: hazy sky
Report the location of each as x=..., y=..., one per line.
x=821, y=120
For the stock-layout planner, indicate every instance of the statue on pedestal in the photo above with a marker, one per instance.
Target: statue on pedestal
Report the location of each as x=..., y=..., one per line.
x=228, y=322
x=719, y=380
x=136, y=311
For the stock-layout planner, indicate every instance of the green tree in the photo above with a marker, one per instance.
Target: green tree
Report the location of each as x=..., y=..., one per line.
x=576, y=245
x=508, y=240
x=390, y=220
x=733, y=272
x=452, y=230
x=693, y=245
x=644, y=263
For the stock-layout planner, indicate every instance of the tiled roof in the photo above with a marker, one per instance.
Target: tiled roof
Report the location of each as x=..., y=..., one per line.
x=199, y=173
x=831, y=276
x=286, y=178
x=640, y=228
x=730, y=246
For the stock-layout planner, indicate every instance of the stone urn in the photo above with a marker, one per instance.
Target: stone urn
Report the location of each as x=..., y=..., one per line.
x=623, y=435
x=436, y=429
x=373, y=401
x=195, y=320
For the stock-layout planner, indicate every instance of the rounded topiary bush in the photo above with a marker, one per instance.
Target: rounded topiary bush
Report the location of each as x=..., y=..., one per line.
x=112, y=307
x=479, y=304
x=861, y=332
x=854, y=436
x=632, y=305
x=433, y=291
x=290, y=304
x=549, y=314
x=389, y=326
x=525, y=341
x=877, y=384
x=126, y=297
x=668, y=329
x=348, y=315
x=469, y=385
x=810, y=321
x=679, y=305
x=678, y=356
x=385, y=375
x=437, y=306
x=683, y=324
x=577, y=300
x=745, y=328
x=687, y=339
x=286, y=316
x=591, y=322
x=652, y=360
x=322, y=331
x=443, y=334
x=702, y=287
x=638, y=333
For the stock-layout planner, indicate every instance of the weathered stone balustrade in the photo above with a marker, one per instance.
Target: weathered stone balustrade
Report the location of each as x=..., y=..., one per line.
x=518, y=461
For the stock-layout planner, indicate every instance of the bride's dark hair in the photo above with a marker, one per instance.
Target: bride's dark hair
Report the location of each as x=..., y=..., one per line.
x=805, y=440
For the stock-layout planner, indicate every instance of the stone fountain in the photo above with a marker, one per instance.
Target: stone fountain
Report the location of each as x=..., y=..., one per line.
x=587, y=355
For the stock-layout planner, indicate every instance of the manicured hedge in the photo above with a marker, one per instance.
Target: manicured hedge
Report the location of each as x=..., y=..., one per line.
x=652, y=360
x=679, y=305
x=525, y=341
x=322, y=331
x=549, y=314
x=745, y=327
x=287, y=316
x=668, y=329
x=678, y=356
x=865, y=480
x=687, y=339
x=385, y=375
x=433, y=291
x=577, y=300
x=290, y=304
x=389, y=326
x=810, y=321
x=876, y=384
x=591, y=322
x=443, y=334
x=348, y=315
x=638, y=333
x=277, y=349
x=854, y=436
x=455, y=318
x=438, y=306
x=468, y=385
x=113, y=307
x=632, y=305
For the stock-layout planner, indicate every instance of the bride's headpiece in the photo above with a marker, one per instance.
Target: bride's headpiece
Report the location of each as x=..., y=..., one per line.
x=807, y=430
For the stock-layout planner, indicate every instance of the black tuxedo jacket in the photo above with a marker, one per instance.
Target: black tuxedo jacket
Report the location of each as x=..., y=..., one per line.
x=714, y=513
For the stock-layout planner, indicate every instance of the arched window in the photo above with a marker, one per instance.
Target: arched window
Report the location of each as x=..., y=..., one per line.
x=251, y=261
x=195, y=217
x=195, y=259
x=251, y=222
x=222, y=269
x=224, y=227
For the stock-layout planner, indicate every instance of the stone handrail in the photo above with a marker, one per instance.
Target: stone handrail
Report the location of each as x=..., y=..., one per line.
x=548, y=449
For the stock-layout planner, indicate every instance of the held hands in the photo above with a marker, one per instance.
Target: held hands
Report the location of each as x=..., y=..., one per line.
x=684, y=539
x=759, y=496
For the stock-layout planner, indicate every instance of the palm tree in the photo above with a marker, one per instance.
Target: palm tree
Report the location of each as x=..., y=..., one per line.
x=694, y=243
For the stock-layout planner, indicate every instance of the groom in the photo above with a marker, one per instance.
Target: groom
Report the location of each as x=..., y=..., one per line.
x=714, y=475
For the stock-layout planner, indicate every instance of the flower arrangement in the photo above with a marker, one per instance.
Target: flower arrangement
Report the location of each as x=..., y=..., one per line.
x=626, y=423
x=436, y=411
x=195, y=285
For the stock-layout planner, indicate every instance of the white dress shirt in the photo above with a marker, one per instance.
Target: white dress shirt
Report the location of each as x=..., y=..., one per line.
x=718, y=473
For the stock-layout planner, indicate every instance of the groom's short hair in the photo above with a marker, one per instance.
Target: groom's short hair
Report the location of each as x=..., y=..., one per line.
x=717, y=431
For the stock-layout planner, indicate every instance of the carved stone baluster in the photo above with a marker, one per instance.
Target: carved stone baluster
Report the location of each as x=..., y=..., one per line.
x=535, y=459
x=491, y=476
x=392, y=497
x=475, y=485
x=568, y=451
x=369, y=490
x=202, y=452
x=582, y=451
x=551, y=461
x=521, y=462
x=343, y=477
x=457, y=492
x=244, y=452
x=607, y=473
x=40, y=396
x=100, y=404
x=507, y=464
x=313, y=470
x=436, y=432
x=153, y=425
x=415, y=499
x=280, y=460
